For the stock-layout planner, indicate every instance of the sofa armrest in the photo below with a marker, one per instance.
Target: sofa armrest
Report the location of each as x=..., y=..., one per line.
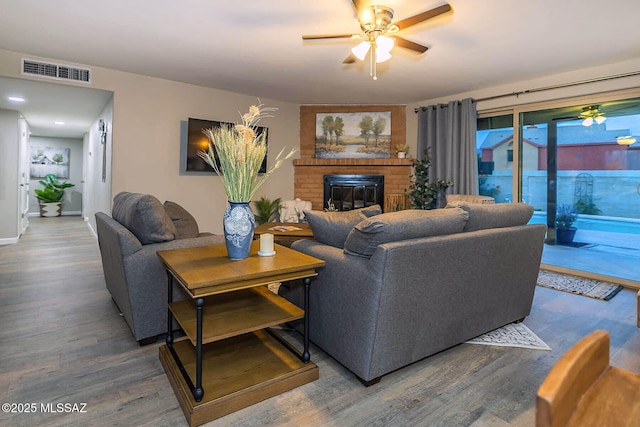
x=345, y=298
x=146, y=280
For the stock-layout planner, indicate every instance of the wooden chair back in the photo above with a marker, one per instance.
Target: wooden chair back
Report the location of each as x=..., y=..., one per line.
x=570, y=379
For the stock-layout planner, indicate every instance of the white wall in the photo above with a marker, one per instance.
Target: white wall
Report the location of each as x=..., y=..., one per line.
x=72, y=200
x=9, y=138
x=97, y=194
x=146, y=137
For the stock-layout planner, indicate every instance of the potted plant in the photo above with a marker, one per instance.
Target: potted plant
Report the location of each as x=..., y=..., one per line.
x=566, y=215
x=266, y=209
x=402, y=150
x=236, y=154
x=425, y=194
x=50, y=195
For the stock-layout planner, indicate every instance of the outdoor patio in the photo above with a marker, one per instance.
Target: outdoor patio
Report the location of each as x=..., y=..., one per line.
x=605, y=253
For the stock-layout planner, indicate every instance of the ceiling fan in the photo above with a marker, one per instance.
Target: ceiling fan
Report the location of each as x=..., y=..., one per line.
x=589, y=115
x=379, y=32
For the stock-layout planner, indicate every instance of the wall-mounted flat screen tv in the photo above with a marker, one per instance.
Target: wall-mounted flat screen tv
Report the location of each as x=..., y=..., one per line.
x=198, y=141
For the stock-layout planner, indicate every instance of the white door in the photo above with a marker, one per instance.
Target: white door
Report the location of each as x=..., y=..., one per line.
x=23, y=176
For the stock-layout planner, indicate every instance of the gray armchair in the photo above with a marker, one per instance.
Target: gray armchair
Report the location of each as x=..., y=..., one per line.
x=134, y=275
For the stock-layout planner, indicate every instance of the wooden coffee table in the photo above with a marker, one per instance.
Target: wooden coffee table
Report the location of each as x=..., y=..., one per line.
x=285, y=238
x=230, y=358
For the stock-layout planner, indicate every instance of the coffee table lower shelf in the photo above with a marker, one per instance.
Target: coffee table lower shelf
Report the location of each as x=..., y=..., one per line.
x=236, y=372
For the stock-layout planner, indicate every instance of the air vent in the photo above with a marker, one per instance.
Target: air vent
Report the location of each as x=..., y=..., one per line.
x=56, y=71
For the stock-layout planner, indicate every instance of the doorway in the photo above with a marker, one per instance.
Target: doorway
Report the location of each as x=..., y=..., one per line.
x=59, y=112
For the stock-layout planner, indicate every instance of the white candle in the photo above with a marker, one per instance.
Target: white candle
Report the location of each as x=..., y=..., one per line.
x=266, y=243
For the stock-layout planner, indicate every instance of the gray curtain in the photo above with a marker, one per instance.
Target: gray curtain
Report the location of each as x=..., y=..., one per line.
x=450, y=131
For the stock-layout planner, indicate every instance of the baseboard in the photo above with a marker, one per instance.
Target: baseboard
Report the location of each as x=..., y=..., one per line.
x=95, y=234
x=9, y=241
x=64, y=213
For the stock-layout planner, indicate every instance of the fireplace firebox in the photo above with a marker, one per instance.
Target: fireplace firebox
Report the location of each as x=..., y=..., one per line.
x=347, y=192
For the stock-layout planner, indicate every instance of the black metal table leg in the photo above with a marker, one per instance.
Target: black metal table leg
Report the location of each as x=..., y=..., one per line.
x=169, y=338
x=198, y=392
x=169, y=341
x=305, y=354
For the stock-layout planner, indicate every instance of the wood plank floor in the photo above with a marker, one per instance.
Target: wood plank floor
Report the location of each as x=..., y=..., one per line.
x=63, y=341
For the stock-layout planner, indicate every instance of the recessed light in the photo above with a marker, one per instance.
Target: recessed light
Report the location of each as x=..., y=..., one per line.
x=59, y=123
x=16, y=99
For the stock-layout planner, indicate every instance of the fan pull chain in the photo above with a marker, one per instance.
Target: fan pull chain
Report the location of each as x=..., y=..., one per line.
x=372, y=68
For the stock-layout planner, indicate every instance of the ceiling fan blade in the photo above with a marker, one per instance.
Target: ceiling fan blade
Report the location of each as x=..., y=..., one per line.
x=567, y=118
x=410, y=45
x=421, y=17
x=328, y=36
x=350, y=59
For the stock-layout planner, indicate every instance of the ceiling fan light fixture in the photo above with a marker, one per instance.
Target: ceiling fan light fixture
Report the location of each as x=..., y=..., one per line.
x=588, y=121
x=382, y=56
x=600, y=119
x=384, y=44
x=626, y=140
x=361, y=50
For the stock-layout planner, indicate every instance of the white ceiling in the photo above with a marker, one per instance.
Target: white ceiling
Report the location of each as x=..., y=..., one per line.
x=255, y=47
x=47, y=103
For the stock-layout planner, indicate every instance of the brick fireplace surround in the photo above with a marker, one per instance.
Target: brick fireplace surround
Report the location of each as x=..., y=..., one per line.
x=309, y=172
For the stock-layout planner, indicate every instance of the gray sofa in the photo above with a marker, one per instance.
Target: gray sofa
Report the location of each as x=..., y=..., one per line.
x=134, y=275
x=405, y=285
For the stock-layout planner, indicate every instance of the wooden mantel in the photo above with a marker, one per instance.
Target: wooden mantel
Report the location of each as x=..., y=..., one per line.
x=309, y=172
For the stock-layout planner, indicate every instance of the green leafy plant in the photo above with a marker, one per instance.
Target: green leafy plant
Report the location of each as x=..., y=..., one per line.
x=587, y=207
x=266, y=209
x=402, y=148
x=566, y=215
x=423, y=194
x=53, y=190
x=487, y=189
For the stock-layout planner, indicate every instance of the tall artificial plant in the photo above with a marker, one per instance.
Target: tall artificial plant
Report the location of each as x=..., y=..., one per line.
x=424, y=194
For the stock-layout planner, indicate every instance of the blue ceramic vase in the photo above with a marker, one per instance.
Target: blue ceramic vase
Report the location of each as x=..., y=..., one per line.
x=239, y=223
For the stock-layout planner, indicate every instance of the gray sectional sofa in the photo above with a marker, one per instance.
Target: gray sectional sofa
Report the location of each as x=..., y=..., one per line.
x=400, y=286
x=134, y=275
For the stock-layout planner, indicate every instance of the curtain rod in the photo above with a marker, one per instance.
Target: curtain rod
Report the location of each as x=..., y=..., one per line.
x=558, y=86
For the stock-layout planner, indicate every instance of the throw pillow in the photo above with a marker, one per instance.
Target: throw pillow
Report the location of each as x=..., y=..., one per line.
x=483, y=216
x=144, y=216
x=402, y=225
x=370, y=211
x=332, y=228
x=185, y=223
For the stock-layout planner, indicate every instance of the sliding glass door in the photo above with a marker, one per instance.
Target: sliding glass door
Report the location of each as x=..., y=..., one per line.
x=579, y=166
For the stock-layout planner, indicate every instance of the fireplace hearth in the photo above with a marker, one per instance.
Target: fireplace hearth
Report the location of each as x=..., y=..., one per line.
x=348, y=192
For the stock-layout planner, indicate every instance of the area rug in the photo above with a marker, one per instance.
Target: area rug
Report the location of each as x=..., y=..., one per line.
x=512, y=335
x=578, y=285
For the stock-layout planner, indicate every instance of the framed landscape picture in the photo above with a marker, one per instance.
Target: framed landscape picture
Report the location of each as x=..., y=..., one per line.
x=361, y=134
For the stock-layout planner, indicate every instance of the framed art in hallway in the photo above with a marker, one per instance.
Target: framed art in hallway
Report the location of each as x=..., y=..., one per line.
x=46, y=160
